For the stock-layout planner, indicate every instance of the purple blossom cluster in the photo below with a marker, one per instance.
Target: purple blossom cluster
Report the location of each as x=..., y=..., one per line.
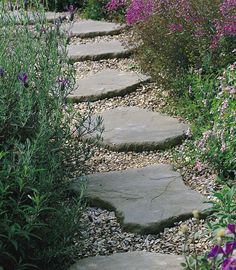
x=113, y=5
x=139, y=10
x=218, y=28
x=176, y=27
x=136, y=10
x=228, y=259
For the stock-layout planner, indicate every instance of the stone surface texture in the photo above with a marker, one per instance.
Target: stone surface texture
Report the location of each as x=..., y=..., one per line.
x=98, y=51
x=91, y=28
x=130, y=261
x=107, y=83
x=134, y=129
x=147, y=199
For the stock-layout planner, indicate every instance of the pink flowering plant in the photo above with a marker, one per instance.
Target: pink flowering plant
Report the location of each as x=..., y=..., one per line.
x=178, y=35
x=218, y=144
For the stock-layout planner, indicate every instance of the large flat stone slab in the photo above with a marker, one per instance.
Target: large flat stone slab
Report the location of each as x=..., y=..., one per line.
x=91, y=28
x=138, y=260
x=146, y=200
x=32, y=17
x=98, y=51
x=134, y=129
x=105, y=84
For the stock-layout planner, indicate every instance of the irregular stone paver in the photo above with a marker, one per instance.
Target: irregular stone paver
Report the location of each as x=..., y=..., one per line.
x=138, y=260
x=32, y=16
x=134, y=129
x=105, y=84
x=98, y=51
x=146, y=200
x=90, y=28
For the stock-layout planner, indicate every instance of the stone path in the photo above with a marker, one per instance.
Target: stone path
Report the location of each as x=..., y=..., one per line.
x=130, y=261
x=134, y=129
x=98, y=51
x=90, y=28
x=105, y=84
x=148, y=199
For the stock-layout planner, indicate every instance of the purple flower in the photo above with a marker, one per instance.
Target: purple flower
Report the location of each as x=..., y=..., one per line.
x=63, y=82
x=139, y=10
x=227, y=6
x=229, y=248
x=43, y=30
x=224, y=107
x=231, y=228
x=216, y=250
x=115, y=4
x=223, y=147
x=72, y=10
x=229, y=264
x=23, y=77
x=2, y=72
x=176, y=27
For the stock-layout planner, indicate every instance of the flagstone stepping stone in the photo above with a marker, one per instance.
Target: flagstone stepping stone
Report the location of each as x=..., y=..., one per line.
x=146, y=200
x=90, y=28
x=98, y=51
x=134, y=129
x=105, y=84
x=32, y=16
x=137, y=260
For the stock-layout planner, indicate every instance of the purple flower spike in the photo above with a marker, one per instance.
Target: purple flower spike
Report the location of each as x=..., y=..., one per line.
x=231, y=228
x=43, y=30
x=229, y=264
x=72, y=10
x=1, y=72
x=216, y=250
x=23, y=77
x=63, y=82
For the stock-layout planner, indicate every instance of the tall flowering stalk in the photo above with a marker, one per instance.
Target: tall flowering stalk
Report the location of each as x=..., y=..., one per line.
x=219, y=143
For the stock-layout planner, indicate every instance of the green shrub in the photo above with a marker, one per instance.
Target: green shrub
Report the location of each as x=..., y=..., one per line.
x=181, y=35
x=62, y=5
x=222, y=228
x=95, y=9
x=98, y=10
x=218, y=144
x=196, y=92
x=39, y=151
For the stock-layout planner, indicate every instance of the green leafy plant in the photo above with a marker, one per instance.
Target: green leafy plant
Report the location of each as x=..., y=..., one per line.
x=95, y=9
x=99, y=10
x=223, y=208
x=222, y=224
x=219, y=143
x=62, y=5
x=181, y=35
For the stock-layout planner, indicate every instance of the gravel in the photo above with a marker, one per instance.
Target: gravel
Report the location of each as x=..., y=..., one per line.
x=123, y=38
x=91, y=67
x=144, y=97
x=103, y=234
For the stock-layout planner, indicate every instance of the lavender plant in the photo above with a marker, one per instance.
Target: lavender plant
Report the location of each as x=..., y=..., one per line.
x=43, y=144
